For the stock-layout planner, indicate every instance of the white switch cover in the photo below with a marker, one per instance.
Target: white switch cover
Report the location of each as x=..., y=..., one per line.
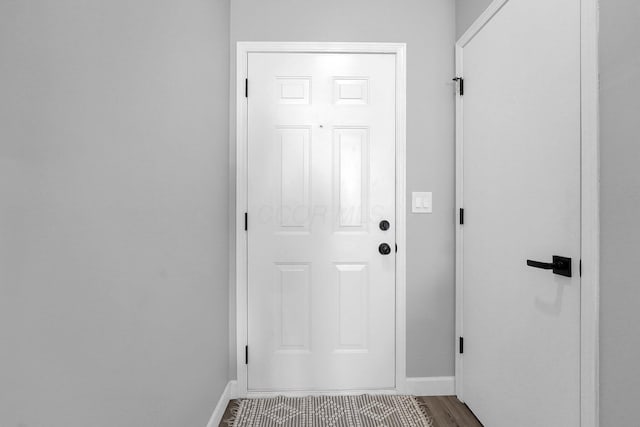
x=421, y=202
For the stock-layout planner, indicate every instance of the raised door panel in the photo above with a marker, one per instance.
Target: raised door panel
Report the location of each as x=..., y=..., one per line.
x=295, y=170
x=294, y=306
x=351, y=188
x=353, y=307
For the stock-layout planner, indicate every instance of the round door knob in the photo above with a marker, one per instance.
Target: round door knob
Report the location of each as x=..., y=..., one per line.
x=384, y=249
x=384, y=225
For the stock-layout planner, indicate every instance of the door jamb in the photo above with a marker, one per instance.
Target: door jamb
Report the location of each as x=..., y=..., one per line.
x=590, y=210
x=243, y=49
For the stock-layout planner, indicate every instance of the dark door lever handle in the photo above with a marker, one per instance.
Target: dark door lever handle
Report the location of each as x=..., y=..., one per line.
x=560, y=265
x=538, y=264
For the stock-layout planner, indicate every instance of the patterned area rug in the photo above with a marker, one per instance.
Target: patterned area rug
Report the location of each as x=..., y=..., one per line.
x=331, y=411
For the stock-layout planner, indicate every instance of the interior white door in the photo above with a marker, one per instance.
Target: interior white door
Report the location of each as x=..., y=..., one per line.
x=321, y=178
x=521, y=200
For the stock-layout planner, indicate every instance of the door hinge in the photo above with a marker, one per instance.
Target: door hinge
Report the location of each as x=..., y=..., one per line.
x=580, y=268
x=461, y=345
x=461, y=216
x=246, y=88
x=246, y=354
x=460, y=81
x=246, y=221
x=396, y=248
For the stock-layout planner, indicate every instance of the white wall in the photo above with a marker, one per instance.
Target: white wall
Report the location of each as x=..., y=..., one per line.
x=113, y=216
x=620, y=211
x=427, y=26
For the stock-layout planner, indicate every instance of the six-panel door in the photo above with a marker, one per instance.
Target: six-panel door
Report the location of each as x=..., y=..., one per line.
x=321, y=177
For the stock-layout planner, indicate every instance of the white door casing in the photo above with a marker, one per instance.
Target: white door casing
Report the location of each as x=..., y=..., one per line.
x=527, y=180
x=320, y=132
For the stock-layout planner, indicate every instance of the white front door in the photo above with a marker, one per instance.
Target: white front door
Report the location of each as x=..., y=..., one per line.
x=521, y=200
x=321, y=179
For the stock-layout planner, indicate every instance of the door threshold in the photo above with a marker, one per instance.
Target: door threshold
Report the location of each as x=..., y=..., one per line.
x=303, y=393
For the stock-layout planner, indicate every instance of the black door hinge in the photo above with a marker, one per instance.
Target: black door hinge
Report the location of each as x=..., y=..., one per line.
x=246, y=354
x=461, y=216
x=580, y=268
x=460, y=81
x=246, y=88
x=246, y=221
x=461, y=345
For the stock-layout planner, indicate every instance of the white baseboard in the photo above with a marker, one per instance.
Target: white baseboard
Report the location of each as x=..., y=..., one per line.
x=431, y=386
x=230, y=392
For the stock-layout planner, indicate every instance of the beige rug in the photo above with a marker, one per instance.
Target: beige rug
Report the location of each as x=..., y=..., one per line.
x=331, y=411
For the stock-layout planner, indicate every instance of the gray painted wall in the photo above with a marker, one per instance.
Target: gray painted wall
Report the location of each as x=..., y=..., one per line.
x=620, y=204
x=427, y=26
x=113, y=216
x=620, y=208
x=467, y=11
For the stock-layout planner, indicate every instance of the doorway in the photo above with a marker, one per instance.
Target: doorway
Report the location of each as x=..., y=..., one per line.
x=321, y=210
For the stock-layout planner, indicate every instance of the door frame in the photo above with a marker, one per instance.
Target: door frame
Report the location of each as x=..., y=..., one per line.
x=241, y=258
x=590, y=221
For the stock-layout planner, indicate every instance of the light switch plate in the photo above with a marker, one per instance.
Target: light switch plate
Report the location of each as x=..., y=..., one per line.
x=421, y=202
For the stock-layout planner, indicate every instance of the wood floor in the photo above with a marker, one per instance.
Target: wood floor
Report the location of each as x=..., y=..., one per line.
x=447, y=411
